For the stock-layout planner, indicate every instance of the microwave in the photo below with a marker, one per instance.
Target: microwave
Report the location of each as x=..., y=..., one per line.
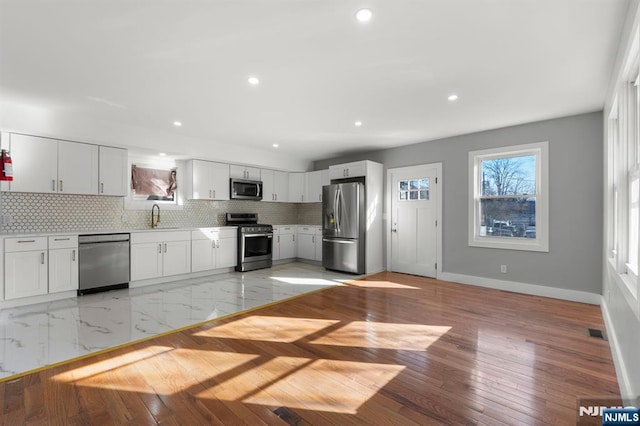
x=242, y=189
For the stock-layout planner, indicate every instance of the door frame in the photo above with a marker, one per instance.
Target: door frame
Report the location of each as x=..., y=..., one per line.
x=387, y=215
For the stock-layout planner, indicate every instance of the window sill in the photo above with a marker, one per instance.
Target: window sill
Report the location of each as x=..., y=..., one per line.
x=513, y=243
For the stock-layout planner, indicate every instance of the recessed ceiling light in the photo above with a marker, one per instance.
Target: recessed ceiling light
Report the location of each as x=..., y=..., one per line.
x=275, y=145
x=162, y=154
x=453, y=97
x=254, y=81
x=177, y=123
x=364, y=15
x=358, y=123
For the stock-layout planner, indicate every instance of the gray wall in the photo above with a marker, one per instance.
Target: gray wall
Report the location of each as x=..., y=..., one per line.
x=575, y=206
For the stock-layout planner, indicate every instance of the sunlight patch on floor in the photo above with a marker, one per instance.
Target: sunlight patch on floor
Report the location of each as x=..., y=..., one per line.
x=116, y=373
x=365, y=334
x=304, y=281
x=110, y=363
x=308, y=384
x=266, y=328
x=380, y=284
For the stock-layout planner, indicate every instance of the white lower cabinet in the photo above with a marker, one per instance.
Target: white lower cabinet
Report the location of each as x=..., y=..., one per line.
x=213, y=248
x=306, y=242
x=318, y=243
x=310, y=242
x=63, y=263
x=25, y=267
x=284, y=242
x=158, y=254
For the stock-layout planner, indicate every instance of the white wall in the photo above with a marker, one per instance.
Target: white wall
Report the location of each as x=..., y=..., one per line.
x=620, y=307
x=56, y=121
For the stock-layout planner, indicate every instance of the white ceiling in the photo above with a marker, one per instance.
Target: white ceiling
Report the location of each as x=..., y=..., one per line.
x=144, y=64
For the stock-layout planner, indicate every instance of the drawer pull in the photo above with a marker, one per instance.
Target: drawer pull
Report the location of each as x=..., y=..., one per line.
x=61, y=239
x=26, y=241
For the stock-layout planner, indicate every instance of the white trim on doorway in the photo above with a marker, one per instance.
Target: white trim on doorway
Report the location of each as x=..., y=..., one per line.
x=387, y=214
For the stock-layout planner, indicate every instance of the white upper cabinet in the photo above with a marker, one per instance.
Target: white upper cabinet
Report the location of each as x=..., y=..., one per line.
x=207, y=180
x=77, y=168
x=35, y=166
x=314, y=182
x=296, y=187
x=113, y=171
x=244, y=172
x=53, y=166
x=347, y=170
x=275, y=185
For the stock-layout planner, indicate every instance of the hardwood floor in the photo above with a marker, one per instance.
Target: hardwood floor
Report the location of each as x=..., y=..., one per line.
x=391, y=349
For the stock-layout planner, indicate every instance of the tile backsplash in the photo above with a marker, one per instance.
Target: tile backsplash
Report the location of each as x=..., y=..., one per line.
x=31, y=212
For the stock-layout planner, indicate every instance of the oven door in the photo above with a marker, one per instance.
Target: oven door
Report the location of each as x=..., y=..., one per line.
x=255, y=247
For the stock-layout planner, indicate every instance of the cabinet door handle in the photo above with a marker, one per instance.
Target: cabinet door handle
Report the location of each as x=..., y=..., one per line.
x=102, y=187
x=276, y=197
x=214, y=193
x=165, y=247
x=294, y=237
x=278, y=239
x=313, y=239
x=218, y=244
x=209, y=193
x=213, y=244
x=42, y=258
x=53, y=184
x=60, y=185
x=73, y=255
x=160, y=248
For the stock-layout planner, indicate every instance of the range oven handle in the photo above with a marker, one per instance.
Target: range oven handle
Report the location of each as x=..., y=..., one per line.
x=258, y=235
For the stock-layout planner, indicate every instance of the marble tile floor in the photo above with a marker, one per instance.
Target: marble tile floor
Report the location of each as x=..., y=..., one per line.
x=35, y=336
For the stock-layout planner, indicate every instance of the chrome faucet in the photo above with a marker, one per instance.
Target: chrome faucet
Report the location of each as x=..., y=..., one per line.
x=155, y=220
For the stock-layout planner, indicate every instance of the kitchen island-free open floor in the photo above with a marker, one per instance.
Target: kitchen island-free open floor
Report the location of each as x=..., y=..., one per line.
x=390, y=349
x=38, y=335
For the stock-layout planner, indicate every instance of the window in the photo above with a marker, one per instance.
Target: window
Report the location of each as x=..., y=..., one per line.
x=154, y=181
x=153, y=184
x=508, y=206
x=633, y=177
x=413, y=189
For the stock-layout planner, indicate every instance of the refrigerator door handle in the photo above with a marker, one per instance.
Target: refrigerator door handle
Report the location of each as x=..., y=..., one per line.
x=326, y=240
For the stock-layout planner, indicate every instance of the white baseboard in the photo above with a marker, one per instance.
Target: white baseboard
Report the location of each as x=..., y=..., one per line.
x=624, y=382
x=517, y=287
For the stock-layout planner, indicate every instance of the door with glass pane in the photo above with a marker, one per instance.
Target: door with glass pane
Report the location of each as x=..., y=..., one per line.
x=414, y=202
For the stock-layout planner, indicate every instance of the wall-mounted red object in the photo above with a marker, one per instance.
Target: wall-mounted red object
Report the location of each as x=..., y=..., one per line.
x=6, y=166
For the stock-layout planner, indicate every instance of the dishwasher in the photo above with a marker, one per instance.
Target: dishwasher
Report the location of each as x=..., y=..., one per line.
x=103, y=261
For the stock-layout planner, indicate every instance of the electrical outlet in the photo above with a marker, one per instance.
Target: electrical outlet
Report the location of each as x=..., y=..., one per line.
x=503, y=269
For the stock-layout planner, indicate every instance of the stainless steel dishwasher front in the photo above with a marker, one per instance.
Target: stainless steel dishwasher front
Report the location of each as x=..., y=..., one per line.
x=104, y=262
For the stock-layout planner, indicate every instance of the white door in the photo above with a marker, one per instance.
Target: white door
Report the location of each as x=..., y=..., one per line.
x=226, y=252
x=414, y=212
x=114, y=175
x=35, y=164
x=77, y=168
x=63, y=270
x=220, y=181
x=177, y=258
x=146, y=261
x=25, y=274
x=203, y=255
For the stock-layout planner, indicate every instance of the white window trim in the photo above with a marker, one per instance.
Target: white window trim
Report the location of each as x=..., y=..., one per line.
x=541, y=242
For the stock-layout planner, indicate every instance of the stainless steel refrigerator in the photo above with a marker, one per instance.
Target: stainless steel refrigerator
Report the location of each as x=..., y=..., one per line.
x=343, y=227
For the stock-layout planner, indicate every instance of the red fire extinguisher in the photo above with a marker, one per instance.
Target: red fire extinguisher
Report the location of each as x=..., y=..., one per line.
x=7, y=166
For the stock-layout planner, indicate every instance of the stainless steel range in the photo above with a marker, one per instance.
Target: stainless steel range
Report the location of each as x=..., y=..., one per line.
x=255, y=241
